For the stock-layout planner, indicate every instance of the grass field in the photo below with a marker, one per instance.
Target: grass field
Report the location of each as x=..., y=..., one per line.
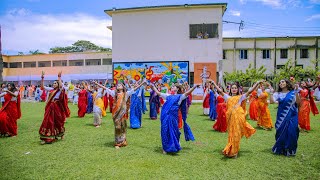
x=88, y=153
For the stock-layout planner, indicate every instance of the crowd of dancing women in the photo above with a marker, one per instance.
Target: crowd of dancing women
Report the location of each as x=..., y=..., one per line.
x=126, y=102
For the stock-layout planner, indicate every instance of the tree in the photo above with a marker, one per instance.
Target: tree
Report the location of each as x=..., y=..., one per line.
x=287, y=71
x=36, y=52
x=79, y=46
x=20, y=53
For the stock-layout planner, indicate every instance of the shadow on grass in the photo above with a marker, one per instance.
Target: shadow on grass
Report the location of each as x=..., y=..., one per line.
x=110, y=144
x=159, y=151
x=244, y=153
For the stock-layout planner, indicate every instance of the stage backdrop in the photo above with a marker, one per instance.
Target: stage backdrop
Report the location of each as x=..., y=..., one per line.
x=202, y=72
x=161, y=72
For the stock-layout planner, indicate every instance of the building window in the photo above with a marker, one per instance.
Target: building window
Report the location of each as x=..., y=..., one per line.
x=224, y=54
x=283, y=53
x=5, y=65
x=280, y=66
x=59, y=63
x=304, y=53
x=15, y=65
x=191, y=78
x=203, y=31
x=76, y=63
x=44, y=63
x=93, y=62
x=243, y=54
x=266, y=54
x=29, y=64
x=106, y=61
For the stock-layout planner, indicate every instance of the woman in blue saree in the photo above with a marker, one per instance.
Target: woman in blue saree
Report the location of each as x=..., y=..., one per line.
x=287, y=131
x=89, y=102
x=154, y=103
x=213, y=107
x=136, y=108
x=170, y=134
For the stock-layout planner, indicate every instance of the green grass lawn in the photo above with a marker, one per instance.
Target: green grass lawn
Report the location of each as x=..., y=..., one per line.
x=88, y=153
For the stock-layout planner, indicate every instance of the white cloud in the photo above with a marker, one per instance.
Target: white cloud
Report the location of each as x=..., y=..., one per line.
x=235, y=13
x=277, y=4
x=315, y=1
x=23, y=30
x=313, y=17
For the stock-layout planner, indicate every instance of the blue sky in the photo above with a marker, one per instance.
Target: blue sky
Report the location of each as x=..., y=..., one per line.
x=41, y=24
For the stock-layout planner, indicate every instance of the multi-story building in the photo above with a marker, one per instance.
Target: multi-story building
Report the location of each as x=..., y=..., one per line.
x=74, y=66
x=270, y=52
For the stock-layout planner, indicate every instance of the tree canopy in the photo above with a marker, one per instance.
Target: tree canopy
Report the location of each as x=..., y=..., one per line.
x=79, y=46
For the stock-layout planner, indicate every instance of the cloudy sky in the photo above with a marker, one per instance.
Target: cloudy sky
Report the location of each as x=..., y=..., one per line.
x=42, y=24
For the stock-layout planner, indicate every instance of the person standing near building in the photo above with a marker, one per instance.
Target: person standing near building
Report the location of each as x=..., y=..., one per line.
x=56, y=112
x=236, y=120
x=170, y=133
x=10, y=111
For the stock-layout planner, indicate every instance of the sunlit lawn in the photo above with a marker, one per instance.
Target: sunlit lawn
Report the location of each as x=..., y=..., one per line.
x=88, y=153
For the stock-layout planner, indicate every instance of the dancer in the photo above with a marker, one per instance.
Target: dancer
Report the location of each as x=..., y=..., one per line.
x=10, y=111
x=136, y=108
x=287, y=131
x=119, y=111
x=170, y=134
x=221, y=123
x=56, y=112
x=307, y=104
x=89, y=99
x=264, y=118
x=111, y=100
x=154, y=103
x=253, y=106
x=206, y=97
x=212, y=103
x=98, y=104
x=82, y=100
x=237, y=124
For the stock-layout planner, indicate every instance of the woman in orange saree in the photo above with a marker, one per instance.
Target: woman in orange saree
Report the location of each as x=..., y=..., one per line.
x=119, y=111
x=56, y=112
x=237, y=124
x=10, y=111
x=307, y=104
x=264, y=118
x=253, y=107
x=82, y=100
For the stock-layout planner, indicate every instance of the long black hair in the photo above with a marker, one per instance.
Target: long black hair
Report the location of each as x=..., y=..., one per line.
x=238, y=86
x=289, y=85
x=13, y=87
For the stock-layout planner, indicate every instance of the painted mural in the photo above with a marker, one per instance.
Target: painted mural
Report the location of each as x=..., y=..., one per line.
x=161, y=72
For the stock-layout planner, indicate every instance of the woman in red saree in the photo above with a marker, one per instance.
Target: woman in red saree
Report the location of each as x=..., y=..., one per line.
x=206, y=99
x=56, y=112
x=111, y=98
x=82, y=101
x=10, y=111
x=307, y=104
x=253, y=106
x=221, y=123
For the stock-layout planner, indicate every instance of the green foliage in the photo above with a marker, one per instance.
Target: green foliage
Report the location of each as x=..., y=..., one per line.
x=33, y=52
x=88, y=153
x=248, y=77
x=79, y=46
x=299, y=73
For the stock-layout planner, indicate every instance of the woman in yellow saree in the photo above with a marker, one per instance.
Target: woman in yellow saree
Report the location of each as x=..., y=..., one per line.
x=236, y=120
x=264, y=118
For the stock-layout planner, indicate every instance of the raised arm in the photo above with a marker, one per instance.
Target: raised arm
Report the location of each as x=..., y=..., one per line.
x=253, y=88
x=42, y=77
x=296, y=91
x=59, y=79
x=190, y=90
x=218, y=89
x=15, y=94
x=141, y=83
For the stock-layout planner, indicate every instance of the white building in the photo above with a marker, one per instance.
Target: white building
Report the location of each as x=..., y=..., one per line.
x=168, y=33
x=271, y=52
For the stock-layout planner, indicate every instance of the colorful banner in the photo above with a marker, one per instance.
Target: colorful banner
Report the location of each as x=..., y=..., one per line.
x=202, y=72
x=161, y=72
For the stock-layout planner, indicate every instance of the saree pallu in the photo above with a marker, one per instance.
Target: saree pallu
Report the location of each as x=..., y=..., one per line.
x=82, y=103
x=253, y=107
x=287, y=131
x=154, y=103
x=43, y=95
x=264, y=118
x=143, y=101
x=9, y=114
x=119, y=120
x=237, y=126
x=89, y=102
x=135, y=111
x=110, y=103
x=105, y=101
x=213, y=110
x=170, y=134
x=221, y=124
x=306, y=105
x=54, y=117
